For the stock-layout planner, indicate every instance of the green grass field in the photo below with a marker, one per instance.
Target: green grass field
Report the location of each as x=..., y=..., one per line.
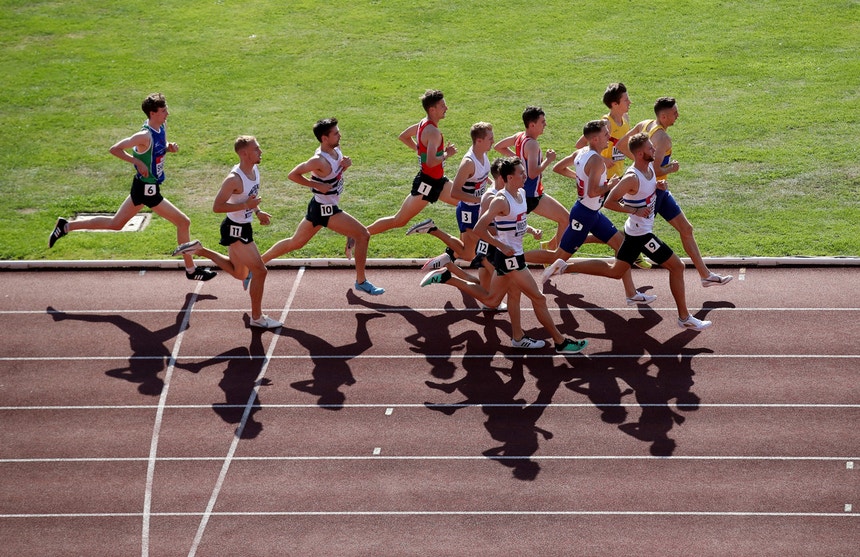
x=767, y=91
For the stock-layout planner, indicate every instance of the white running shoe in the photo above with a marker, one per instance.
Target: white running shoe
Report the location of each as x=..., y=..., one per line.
x=437, y=262
x=501, y=307
x=556, y=268
x=423, y=227
x=265, y=322
x=528, y=342
x=187, y=248
x=641, y=298
x=716, y=280
x=693, y=324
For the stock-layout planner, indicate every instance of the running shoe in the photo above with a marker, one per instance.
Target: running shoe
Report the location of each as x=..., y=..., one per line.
x=265, y=322
x=187, y=248
x=422, y=227
x=246, y=282
x=438, y=276
x=641, y=298
x=556, y=268
x=59, y=231
x=200, y=273
x=716, y=280
x=368, y=287
x=501, y=307
x=693, y=324
x=528, y=343
x=641, y=263
x=438, y=262
x=570, y=346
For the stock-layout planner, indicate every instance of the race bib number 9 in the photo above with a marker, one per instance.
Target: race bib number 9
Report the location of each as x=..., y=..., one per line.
x=652, y=245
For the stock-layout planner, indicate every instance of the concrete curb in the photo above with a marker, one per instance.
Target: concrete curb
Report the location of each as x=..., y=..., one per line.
x=47, y=264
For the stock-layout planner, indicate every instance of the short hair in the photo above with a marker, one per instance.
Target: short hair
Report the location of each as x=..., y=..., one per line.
x=243, y=141
x=323, y=127
x=430, y=98
x=152, y=103
x=613, y=93
x=532, y=114
x=663, y=103
x=637, y=142
x=494, y=167
x=480, y=130
x=507, y=166
x=593, y=127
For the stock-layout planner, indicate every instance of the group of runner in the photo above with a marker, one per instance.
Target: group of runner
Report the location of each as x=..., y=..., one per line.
x=492, y=203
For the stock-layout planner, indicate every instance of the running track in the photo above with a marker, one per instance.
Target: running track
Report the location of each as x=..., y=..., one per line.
x=142, y=417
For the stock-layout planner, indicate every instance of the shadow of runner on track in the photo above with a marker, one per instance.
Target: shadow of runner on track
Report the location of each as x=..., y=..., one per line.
x=331, y=370
x=432, y=333
x=239, y=381
x=149, y=355
x=653, y=392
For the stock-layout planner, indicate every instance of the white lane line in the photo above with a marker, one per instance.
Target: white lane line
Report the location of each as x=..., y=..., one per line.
x=390, y=406
x=714, y=458
x=238, y=434
x=497, y=355
x=742, y=274
x=447, y=513
x=156, y=428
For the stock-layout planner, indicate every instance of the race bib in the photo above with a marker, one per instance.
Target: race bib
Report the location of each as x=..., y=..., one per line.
x=235, y=231
x=482, y=248
x=575, y=225
x=150, y=189
x=327, y=210
x=652, y=245
x=424, y=188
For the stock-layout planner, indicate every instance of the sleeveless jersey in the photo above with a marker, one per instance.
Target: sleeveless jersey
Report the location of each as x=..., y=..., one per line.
x=437, y=171
x=616, y=132
x=533, y=186
x=579, y=161
x=334, y=177
x=668, y=157
x=478, y=182
x=645, y=197
x=511, y=228
x=250, y=186
x=153, y=157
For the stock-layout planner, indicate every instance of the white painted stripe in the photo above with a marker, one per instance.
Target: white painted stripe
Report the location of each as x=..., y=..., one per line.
x=312, y=458
x=447, y=513
x=753, y=405
x=361, y=309
x=156, y=428
x=497, y=355
x=238, y=435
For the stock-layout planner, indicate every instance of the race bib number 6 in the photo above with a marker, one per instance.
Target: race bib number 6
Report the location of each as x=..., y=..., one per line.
x=150, y=189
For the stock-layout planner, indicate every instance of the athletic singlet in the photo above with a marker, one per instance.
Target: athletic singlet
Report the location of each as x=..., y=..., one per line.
x=437, y=171
x=249, y=187
x=153, y=157
x=579, y=162
x=668, y=157
x=645, y=197
x=334, y=177
x=478, y=182
x=532, y=186
x=511, y=228
x=616, y=132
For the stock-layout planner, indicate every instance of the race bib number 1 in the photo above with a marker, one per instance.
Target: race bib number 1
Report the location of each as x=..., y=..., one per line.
x=424, y=188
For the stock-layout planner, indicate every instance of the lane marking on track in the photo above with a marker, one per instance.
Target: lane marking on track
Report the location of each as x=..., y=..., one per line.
x=448, y=513
x=714, y=458
x=248, y=406
x=742, y=274
x=389, y=411
x=156, y=428
x=496, y=355
x=751, y=405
